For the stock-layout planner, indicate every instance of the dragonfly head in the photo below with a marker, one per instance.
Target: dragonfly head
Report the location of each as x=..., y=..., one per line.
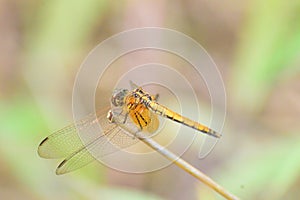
x=118, y=97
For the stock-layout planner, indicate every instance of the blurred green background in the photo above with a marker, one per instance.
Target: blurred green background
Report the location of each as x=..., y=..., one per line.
x=256, y=45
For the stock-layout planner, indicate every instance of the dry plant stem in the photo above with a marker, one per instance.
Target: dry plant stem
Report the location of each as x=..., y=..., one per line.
x=188, y=168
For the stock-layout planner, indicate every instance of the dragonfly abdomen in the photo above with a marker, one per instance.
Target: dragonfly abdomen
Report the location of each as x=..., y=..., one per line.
x=165, y=112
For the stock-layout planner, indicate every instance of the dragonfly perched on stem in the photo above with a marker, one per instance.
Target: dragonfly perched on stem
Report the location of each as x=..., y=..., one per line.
x=132, y=112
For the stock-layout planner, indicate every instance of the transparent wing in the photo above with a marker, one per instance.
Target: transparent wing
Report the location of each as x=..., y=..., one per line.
x=115, y=139
x=67, y=143
x=66, y=140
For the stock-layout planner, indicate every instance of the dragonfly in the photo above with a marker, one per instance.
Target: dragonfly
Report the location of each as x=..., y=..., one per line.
x=131, y=112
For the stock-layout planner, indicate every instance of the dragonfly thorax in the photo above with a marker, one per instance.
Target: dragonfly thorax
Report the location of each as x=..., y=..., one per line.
x=137, y=97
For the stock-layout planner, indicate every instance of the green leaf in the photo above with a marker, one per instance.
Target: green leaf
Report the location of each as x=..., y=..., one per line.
x=269, y=45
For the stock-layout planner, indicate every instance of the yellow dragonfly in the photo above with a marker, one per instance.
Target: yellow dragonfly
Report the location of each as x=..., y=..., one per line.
x=131, y=112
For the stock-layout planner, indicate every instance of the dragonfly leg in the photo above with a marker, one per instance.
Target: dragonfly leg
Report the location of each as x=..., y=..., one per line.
x=125, y=118
x=155, y=97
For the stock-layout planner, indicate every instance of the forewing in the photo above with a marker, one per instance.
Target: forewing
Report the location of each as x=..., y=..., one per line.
x=113, y=140
x=66, y=141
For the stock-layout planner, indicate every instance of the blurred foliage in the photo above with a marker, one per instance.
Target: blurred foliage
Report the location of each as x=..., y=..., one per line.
x=269, y=46
x=268, y=171
x=256, y=44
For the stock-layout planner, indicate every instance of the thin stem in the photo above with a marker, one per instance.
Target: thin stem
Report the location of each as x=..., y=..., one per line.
x=187, y=167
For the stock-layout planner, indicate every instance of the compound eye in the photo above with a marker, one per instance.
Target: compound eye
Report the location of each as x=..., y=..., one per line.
x=118, y=97
x=114, y=100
